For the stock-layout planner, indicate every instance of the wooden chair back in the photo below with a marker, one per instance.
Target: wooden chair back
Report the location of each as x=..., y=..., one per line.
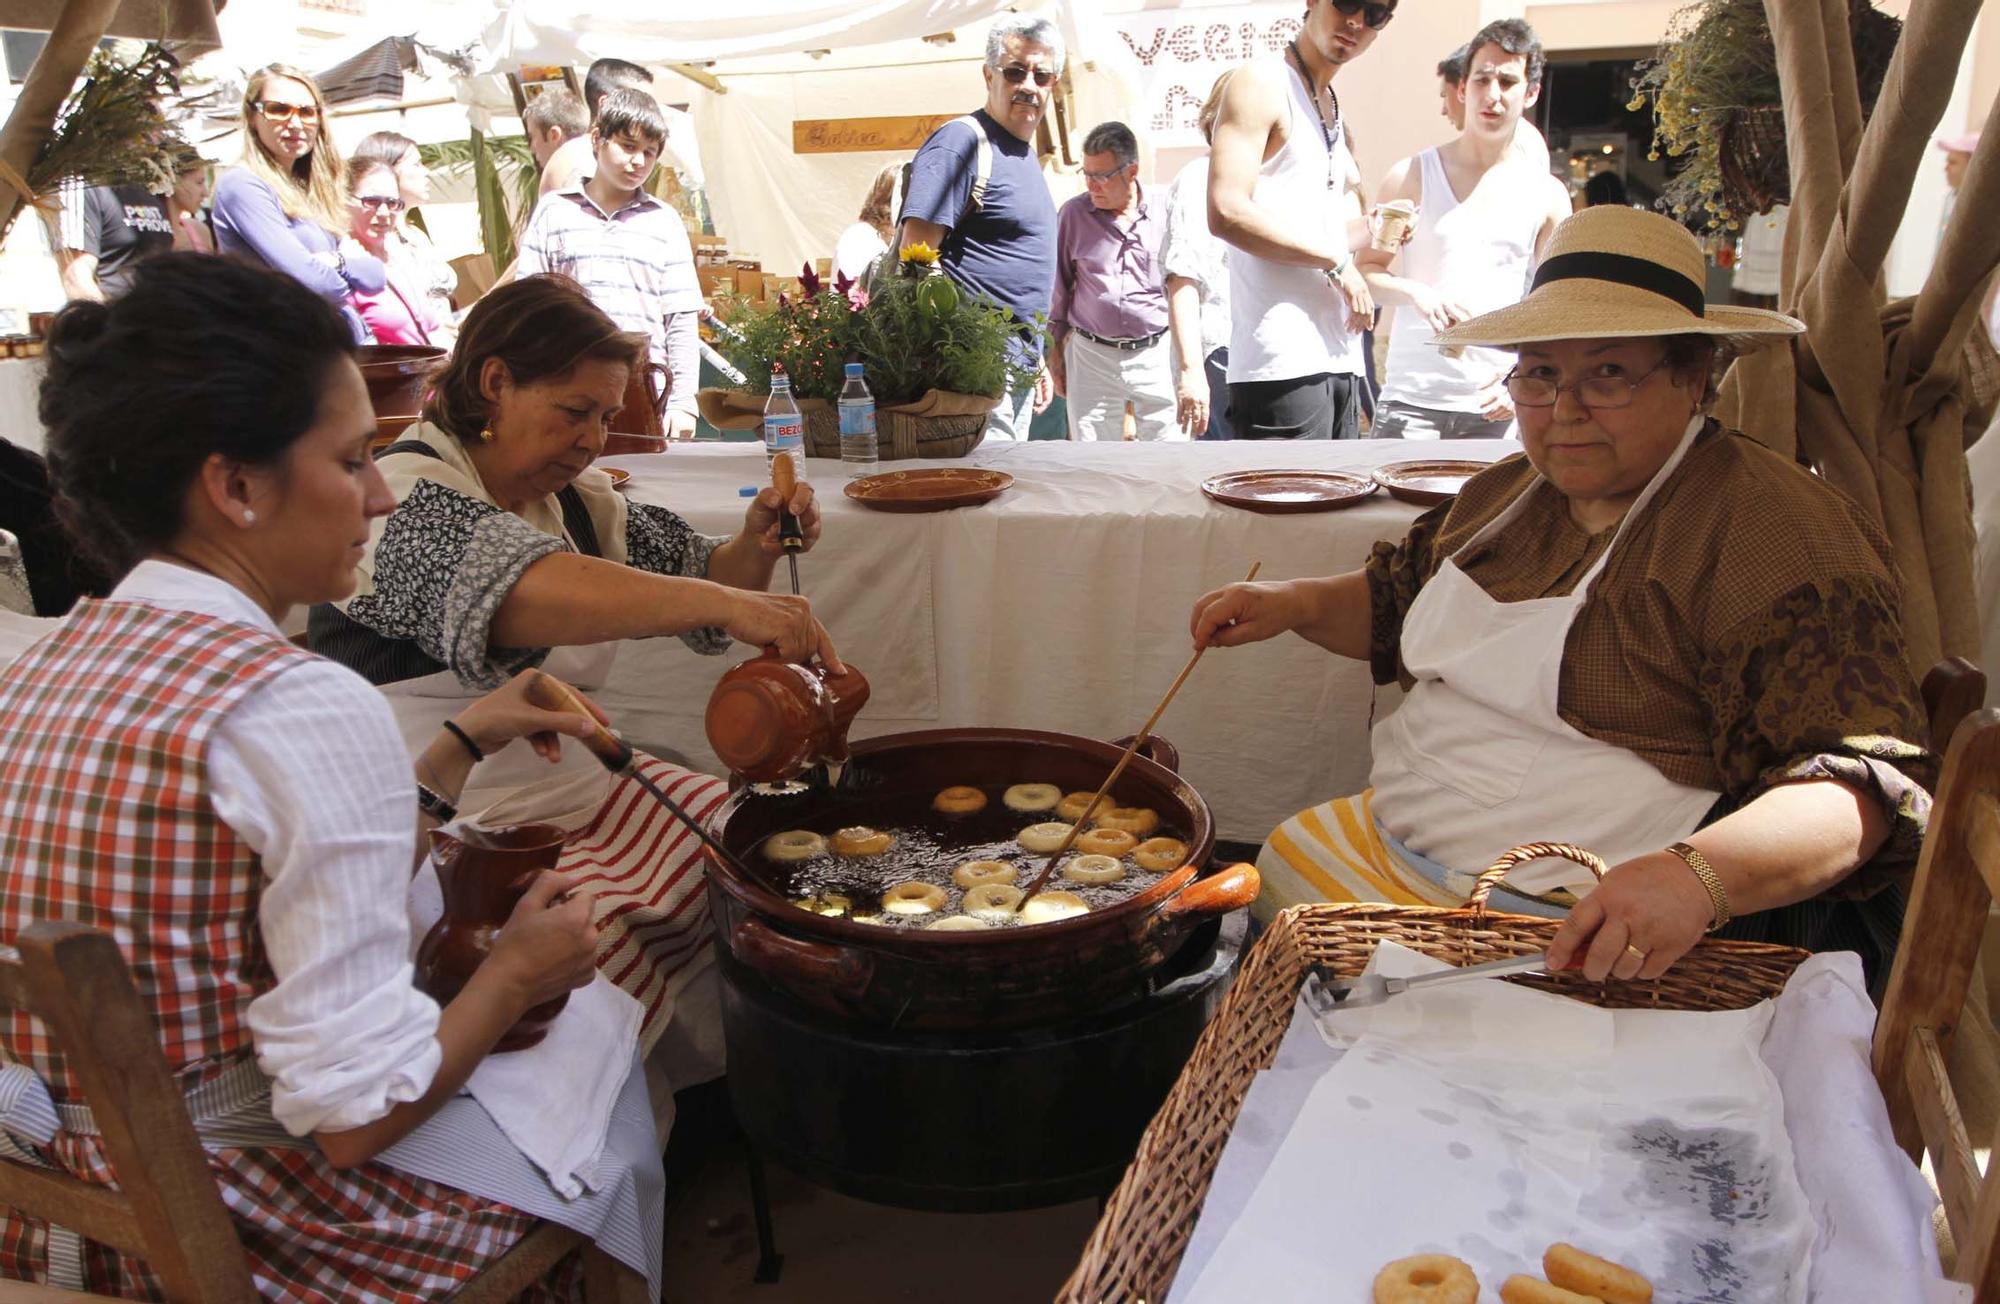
x=167, y=1209
x=1953, y=689
x=1957, y=879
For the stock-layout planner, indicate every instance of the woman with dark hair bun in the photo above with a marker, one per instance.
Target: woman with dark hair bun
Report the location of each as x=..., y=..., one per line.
x=508, y=549
x=238, y=814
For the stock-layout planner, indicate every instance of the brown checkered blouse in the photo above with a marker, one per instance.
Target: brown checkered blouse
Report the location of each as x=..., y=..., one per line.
x=1745, y=633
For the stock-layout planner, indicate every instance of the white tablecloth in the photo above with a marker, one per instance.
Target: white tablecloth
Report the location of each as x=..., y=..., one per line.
x=20, y=384
x=1061, y=605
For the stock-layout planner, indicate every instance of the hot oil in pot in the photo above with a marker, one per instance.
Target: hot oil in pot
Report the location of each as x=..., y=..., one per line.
x=929, y=845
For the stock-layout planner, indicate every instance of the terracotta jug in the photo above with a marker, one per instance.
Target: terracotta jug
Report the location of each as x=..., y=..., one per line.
x=771, y=719
x=484, y=873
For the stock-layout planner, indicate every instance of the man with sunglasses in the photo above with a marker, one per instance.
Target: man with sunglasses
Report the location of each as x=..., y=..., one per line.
x=1283, y=190
x=1483, y=214
x=976, y=194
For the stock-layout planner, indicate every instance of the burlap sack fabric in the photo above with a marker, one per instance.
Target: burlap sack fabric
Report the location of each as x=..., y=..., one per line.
x=1882, y=397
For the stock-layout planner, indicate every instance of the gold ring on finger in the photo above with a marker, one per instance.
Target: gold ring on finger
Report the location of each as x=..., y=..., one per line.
x=1636, y=954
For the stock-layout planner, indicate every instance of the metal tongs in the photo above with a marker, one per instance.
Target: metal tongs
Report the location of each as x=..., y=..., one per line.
x=1327, y=994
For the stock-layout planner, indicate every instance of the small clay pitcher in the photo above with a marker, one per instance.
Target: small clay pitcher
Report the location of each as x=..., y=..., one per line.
x=484, y=873
x=770, y=719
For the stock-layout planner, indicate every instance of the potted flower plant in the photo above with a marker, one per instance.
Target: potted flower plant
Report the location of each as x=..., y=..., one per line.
x=937, y=358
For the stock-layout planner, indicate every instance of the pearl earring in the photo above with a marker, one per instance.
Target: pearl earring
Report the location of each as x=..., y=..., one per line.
x=249, y=517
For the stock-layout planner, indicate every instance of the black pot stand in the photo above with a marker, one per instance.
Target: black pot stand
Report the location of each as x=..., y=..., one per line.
x=964, y=1122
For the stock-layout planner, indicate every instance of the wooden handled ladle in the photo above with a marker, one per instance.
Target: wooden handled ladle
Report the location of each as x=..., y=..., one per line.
x=1138, y=741
x=552, y=694
x=784, y=478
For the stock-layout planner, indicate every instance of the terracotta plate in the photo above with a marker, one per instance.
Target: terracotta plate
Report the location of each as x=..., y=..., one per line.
x=1288, y=491
x=618, y=475
x=929, y=490
x=1427, y=483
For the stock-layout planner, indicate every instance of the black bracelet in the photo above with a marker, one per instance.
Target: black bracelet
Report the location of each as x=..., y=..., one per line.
x=451, y=727
x=435, y=805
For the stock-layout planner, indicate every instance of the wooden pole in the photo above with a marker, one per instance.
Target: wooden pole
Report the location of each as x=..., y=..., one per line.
x=78, y=29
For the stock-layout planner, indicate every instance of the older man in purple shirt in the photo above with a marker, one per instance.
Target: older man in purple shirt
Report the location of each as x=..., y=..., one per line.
x=1108, y=318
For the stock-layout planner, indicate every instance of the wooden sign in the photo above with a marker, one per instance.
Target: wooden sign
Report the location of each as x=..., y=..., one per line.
x=858, y=135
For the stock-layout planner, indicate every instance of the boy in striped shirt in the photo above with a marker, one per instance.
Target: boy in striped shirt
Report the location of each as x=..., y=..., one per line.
x=628, y=250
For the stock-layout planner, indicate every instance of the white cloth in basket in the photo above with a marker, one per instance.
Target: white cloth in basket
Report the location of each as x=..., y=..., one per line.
x=1873, y=1241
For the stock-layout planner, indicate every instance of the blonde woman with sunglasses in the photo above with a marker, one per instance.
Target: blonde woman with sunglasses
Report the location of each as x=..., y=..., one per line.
x=285, y=205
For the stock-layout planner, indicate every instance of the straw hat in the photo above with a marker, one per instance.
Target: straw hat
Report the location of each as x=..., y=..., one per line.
x=1614, y=272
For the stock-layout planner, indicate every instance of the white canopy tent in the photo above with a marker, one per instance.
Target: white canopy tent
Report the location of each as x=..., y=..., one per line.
x=766, y=64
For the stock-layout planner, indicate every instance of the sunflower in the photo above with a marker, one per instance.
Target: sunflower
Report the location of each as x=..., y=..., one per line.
x=920, y=253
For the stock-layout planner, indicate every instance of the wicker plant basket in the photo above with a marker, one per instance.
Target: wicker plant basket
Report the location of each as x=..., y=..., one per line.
x=1136, y=1247
x=1756, y=171
x=898, y=435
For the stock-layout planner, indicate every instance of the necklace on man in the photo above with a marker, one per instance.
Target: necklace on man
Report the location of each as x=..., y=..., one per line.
x=1329, y=130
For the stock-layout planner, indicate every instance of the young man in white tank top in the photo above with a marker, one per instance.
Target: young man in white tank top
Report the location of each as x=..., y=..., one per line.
x=1484, y=212
x=1280, y=182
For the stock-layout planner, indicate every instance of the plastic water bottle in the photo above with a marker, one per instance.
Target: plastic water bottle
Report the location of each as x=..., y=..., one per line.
x=857, y=419
x=784, y=428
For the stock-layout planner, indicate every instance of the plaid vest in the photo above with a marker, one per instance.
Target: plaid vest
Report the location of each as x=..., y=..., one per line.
x=105, y=818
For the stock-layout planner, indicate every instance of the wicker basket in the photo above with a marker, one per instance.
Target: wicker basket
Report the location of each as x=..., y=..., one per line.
x=898, y=435
x=1136, y=1247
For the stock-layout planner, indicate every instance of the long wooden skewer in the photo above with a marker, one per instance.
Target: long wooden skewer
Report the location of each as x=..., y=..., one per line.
x=1138, y=741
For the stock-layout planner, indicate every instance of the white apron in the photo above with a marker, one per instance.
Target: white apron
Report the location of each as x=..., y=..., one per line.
x=1478, y=759
x=423, y=705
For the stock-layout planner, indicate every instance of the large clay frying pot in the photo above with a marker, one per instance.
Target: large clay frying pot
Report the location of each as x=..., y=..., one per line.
x=1002, y=977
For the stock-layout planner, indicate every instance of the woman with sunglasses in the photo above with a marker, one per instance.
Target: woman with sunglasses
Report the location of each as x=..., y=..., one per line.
x=400, y=313
x=1649, y=636
x=414, y=261
x=284, y=206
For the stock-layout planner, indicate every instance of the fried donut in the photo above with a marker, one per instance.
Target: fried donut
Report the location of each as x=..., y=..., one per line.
x=1427, y=1279
x=1043, y=837
x=1047, y=907
x=998, y=897
x=860, y=840
x=1158, y=855
x=831, y=904
x=1135, y=820
x=956, y=924
x=1533, y=1290
x=1032, y=798
x=1093, y=869
x=1106, y=842
x=913, y=898
x=794, y=845
x=1071, y=807
x=975, y=872
x=1586, y=1274
x=959, y=800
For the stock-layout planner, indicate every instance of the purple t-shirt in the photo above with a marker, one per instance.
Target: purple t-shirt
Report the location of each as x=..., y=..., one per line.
x=249, y=222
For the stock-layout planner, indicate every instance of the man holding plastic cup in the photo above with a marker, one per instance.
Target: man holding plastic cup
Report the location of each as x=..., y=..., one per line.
x=1475, y=214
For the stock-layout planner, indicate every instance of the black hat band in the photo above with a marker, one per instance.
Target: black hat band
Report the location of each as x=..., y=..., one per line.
x=1622, y=269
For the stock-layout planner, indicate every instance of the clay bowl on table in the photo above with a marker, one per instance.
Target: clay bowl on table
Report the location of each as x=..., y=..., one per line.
x=398, y=376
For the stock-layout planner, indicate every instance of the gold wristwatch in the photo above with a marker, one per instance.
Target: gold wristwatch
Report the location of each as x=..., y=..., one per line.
x=1718, y=897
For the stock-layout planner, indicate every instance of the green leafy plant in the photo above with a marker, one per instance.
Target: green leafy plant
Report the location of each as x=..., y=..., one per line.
x=915, y=331
x=505, y=184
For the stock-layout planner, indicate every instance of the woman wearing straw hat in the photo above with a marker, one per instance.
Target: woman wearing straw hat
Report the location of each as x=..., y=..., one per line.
x=1650, y=636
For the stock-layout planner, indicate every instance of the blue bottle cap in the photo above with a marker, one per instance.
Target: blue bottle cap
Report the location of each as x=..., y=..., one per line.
x=853, y=368
x=747, y=491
